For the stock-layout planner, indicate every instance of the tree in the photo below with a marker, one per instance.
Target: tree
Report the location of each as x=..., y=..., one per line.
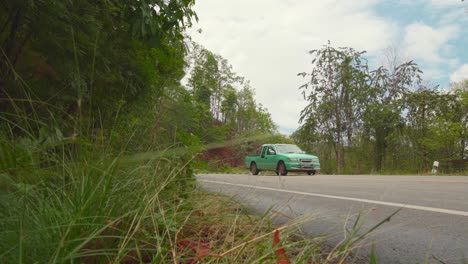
x=204, y=77
x=382, y=116
x=78, y=63
x=384, y=119
x=461, y=86
x=211, y=79
x=337, y=93
x=229, y=106
x=263, y=122
x=438, y=124
x=228, y=96
x=246, y=109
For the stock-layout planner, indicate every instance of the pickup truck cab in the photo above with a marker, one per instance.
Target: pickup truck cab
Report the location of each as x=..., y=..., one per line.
x=282, y=158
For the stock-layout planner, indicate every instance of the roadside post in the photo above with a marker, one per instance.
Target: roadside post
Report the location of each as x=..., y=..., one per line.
x=435, y=167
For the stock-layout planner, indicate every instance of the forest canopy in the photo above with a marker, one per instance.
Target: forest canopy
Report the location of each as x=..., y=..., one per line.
x=114, y=70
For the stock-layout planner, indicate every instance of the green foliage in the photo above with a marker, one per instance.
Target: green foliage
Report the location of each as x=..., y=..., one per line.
x=228, y=97
x=98, y=133
x=337, y=93
x=384, y=119
x=80, y=63
x=437, y=122
x=381, y=122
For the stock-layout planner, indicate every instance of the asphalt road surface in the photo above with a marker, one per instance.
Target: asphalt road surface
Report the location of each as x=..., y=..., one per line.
x=432, y=226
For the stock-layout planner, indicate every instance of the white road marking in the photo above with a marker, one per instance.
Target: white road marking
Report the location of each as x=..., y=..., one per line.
x=400, y=205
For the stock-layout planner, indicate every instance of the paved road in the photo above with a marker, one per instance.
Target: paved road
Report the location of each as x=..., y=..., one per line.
x=433, y=223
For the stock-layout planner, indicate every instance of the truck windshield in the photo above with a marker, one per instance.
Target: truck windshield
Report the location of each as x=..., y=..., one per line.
x=288, y=149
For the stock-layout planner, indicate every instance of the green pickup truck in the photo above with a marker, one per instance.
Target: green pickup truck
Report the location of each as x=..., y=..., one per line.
x=282, y=158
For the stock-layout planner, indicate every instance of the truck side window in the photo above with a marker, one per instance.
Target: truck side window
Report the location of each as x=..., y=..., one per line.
x=271, y=151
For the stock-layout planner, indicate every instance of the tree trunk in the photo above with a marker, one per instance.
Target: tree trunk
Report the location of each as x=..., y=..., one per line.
x=339, y=154
x=380, y=147
x=462, y=152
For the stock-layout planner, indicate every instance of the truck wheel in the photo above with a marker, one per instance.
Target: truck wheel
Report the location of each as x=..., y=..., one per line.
x=253, y=168
x=311, y=172
x=281, y=170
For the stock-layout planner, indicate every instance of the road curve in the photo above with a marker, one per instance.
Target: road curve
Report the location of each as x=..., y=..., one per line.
x=432, y=226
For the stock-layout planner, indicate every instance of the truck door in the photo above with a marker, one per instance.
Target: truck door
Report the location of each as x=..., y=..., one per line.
x=270, y=158
x=261, y=163
x=267, y=159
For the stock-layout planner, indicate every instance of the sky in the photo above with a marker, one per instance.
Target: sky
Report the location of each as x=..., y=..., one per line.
x=267, y=41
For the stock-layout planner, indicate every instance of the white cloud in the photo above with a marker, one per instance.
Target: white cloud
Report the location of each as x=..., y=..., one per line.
x=267, y=42
x=432, y=73
x=426, y=43
x=445, y=3
x=432, y=49
x=446, y=12
x=453, y=63
x=460, y=74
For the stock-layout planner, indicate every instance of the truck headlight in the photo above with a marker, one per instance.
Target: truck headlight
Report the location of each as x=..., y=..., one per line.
x=293, y=159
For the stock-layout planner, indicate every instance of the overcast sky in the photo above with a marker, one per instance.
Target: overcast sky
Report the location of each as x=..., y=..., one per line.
x=267, y=41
